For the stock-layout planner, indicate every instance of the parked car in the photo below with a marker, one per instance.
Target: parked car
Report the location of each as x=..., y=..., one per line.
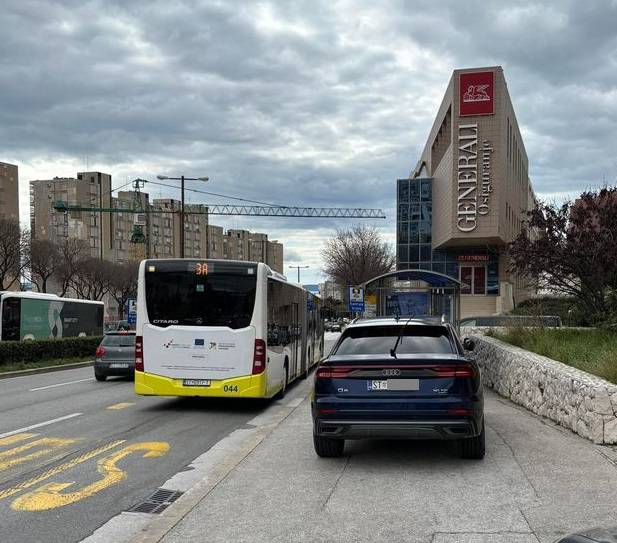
x=397, y=378
x=335, y=327
x=115, y=355
x=116, y=326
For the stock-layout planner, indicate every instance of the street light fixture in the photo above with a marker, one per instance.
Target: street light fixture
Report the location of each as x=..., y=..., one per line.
x=182, y=179
x=299, y=268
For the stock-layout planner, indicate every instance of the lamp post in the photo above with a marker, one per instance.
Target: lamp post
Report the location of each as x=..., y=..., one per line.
x=299, y=268
x=182, y=179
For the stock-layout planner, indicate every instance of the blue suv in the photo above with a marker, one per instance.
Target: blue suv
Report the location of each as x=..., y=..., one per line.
x=398, y=378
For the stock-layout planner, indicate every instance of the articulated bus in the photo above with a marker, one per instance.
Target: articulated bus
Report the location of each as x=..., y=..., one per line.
x=32, y=315
x=222, y=328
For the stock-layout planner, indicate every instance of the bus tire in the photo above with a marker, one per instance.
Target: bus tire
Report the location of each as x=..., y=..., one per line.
x=281, y=393
x=326, y=447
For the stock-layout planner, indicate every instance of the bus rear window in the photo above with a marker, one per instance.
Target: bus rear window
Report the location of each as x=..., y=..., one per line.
x=179, y=297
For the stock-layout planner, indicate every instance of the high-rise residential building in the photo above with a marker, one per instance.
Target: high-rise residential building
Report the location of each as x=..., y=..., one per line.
x=110, y=235
x=9, y=191
x=88, y=189
x=468, y=195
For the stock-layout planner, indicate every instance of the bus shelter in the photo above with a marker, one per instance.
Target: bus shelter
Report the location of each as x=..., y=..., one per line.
x=413, y=293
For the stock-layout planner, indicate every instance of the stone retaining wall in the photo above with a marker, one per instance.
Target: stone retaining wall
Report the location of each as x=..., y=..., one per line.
x=584, y=403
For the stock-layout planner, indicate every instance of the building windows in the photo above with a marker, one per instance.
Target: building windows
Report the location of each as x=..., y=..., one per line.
x=473, y=280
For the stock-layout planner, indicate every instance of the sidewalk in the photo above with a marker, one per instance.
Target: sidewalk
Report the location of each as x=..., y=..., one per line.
x=537, y=483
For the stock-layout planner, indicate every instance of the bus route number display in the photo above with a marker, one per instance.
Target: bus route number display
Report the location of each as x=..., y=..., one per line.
x=201, y=268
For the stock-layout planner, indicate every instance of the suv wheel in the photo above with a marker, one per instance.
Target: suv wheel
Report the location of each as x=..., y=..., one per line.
x=474, y=447
x=100, y=376
x=326, y=447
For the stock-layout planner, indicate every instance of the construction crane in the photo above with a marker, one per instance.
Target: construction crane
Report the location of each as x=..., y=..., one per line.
x=138, y=237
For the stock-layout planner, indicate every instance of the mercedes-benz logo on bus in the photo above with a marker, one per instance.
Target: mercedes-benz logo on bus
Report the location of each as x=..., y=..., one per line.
x=390, y=372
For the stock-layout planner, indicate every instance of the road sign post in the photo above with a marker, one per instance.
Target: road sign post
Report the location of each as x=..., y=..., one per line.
x=356, y=299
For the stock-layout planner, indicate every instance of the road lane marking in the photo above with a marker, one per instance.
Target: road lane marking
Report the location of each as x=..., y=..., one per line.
x=59, y=469
x=121, y=405
x=15, y=438
x=50, y=496
x=9, y=458
x=39, y=424
x=62, y=384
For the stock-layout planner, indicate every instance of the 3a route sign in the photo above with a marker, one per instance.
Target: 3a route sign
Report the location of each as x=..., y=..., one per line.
x=356, y=299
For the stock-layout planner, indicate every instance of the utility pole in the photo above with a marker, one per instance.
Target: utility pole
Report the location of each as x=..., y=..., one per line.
x=182, y=179
x=299, y=268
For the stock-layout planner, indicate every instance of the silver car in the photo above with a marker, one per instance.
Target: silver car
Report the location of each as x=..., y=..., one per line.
x=115, y=355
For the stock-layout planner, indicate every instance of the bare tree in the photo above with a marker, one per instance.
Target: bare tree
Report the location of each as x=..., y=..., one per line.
x=356, y=255
x=14, y=243
x=73, y=252
x=123, y=284
x=44, y=261
x=92, y=278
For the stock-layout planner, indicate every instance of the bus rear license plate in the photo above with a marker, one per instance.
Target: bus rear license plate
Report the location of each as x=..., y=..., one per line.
x=118, y=365
x=196, y=382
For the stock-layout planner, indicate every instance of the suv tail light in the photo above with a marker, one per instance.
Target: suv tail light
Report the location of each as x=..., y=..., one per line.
x=259, y=357
x=454, y=371
x=100, y=351
x=330, y=372
x=139, y=353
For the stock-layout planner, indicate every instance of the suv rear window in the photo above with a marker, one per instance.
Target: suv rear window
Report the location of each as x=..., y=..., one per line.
x=380, y=339
x=119, y=340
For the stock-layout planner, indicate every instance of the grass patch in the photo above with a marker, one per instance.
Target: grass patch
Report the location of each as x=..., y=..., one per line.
x=593, y=351
x=16, y=366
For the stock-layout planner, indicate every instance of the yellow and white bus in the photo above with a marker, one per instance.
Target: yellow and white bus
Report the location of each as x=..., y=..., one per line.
x=222, y=328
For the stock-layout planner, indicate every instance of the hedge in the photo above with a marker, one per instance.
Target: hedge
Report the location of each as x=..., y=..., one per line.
x=47, y=349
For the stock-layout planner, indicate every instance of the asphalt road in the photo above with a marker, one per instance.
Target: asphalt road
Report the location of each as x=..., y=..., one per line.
x=75, y=452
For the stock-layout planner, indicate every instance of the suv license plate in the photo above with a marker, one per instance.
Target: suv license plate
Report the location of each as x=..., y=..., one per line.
x=196, y=382
x=403, y=384
x=118, y=365
x=377, y=385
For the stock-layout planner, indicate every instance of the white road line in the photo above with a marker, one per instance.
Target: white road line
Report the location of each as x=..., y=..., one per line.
x=38, y=425
x=62, y=384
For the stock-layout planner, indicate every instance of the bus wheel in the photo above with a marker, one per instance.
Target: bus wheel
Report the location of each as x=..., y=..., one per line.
x=281, y=393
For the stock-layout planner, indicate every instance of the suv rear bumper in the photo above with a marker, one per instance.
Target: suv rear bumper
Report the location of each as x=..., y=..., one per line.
x=398, y=429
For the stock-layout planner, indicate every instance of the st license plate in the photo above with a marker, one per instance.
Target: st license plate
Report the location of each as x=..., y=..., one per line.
x=394, y=384
x=196, y=382
x=118, y=365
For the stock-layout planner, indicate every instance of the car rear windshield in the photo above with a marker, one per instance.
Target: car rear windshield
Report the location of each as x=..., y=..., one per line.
x=378, y=340
x=224, y=295
x=119, y=340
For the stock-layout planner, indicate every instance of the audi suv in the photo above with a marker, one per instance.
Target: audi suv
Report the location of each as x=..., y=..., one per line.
x=398, y=378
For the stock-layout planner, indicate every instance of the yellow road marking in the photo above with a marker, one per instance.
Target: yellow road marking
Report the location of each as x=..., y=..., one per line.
x=121, y=405
x=16, y=438
x=50, y=496
x=9, y=458
x=59, y=469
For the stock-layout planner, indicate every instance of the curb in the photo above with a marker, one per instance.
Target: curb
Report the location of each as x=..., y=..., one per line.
x=45, y=369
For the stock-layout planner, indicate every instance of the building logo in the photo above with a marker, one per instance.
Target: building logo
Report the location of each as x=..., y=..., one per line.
x=476, y=93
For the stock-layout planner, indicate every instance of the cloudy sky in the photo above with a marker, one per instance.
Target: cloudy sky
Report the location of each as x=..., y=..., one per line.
x=298, y=103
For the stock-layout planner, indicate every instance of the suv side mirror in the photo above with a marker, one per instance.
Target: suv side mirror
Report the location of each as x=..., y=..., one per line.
x=469, y=344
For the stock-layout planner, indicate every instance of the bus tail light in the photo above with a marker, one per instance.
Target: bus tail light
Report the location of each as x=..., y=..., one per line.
x=100, y=351
x=259, y=357
x=139, y=353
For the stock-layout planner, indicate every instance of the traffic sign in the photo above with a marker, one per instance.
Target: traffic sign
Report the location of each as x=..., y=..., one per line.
x=356, y=299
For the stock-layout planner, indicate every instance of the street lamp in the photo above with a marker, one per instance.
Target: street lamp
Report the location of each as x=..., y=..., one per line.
x=299, y=268
x=182, y=179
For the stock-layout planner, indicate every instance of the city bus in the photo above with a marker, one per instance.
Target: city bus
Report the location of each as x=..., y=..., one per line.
x=222, y=328
x=32, y=315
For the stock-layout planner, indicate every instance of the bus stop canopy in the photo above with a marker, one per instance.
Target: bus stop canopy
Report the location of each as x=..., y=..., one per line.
x=417, y=293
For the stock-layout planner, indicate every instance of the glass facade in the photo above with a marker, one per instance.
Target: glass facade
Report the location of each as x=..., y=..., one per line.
x=414, y=249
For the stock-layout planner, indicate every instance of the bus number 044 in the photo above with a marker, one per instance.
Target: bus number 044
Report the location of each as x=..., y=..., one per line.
x=230, y=388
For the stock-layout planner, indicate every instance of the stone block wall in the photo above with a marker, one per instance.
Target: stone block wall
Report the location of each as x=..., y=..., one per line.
x=584, y=403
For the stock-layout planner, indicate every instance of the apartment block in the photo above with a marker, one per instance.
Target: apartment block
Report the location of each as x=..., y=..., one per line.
x=9, y=191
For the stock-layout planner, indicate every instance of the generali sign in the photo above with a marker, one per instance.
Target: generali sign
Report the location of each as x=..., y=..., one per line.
x=473, y=168
x=476, y=93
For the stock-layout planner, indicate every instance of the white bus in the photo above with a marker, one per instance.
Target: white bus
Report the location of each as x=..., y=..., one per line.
x=33, y=315
x=222, y=328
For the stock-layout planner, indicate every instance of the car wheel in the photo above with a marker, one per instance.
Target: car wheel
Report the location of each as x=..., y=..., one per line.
x=99, y=376
x=326, y=447
x=474, y=447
